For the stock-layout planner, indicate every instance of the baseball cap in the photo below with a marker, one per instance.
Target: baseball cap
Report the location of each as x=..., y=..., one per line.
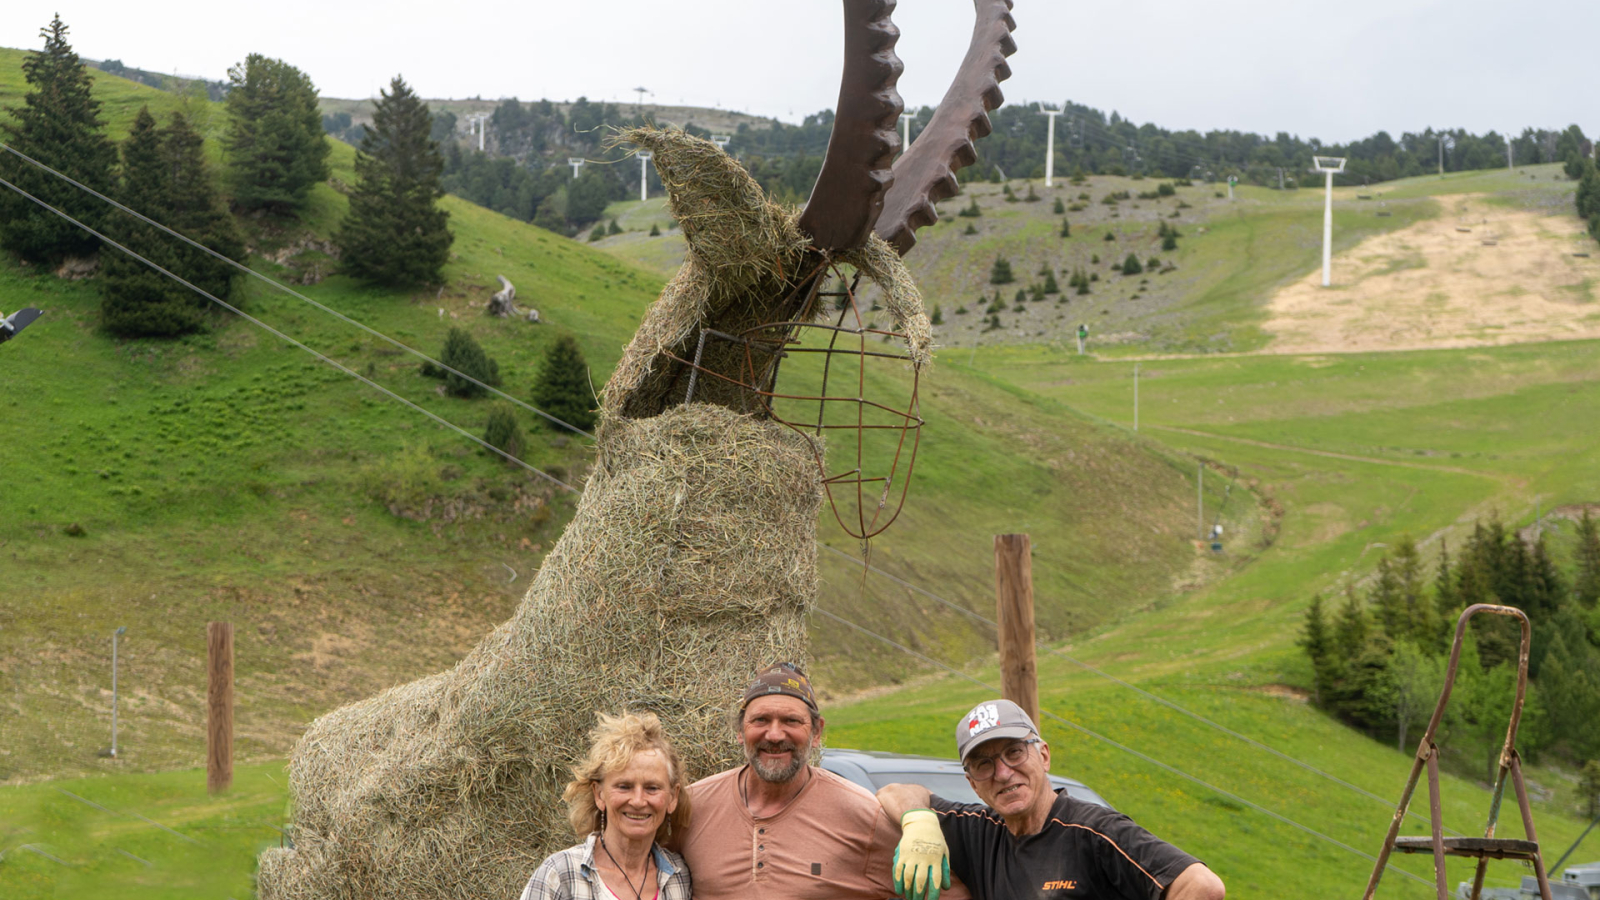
x=783, y=678
x=989, y=720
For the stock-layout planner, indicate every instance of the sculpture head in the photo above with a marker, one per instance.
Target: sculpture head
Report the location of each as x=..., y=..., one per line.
x=762, y=284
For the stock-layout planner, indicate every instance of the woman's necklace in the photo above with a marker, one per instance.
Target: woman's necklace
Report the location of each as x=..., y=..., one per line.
x=644, y=873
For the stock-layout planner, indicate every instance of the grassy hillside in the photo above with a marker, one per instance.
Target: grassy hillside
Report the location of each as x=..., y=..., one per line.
x=226, y=477
x=354, y=544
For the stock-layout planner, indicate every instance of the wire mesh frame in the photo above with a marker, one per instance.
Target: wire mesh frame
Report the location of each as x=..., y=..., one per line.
x=776, y=341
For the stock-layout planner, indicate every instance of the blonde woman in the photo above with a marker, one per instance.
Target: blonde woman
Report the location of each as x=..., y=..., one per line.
x=624, y=798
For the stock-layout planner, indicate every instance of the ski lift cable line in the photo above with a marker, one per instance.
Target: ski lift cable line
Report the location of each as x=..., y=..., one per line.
x=292, y=292
x=286, y=338
x=1175, y=707
x=1044, y=713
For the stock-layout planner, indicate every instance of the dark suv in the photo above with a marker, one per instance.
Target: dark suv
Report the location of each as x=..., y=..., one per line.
x=872, y=769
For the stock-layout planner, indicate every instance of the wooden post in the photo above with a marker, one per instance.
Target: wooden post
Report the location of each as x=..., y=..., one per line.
x=219, y=706
x=1013, y=577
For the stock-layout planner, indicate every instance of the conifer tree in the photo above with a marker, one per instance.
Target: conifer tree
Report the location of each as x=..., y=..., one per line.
x=563, y=387
x=1066, y=228
x=1000, y=272
x=165, y=177
x=276, y=147
x=503, y=431
x=463, y=354
x=59, y=125
x=1586, y=586
x=1131, y=266
x=396, y=234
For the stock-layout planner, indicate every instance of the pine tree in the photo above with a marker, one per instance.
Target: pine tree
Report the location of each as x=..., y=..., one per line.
x=1066, y=227
x=59, y=125
x=275, y=143
x=165, y=177
x=503, y=431
x=1317, y=641
x=463, y=354
x=1000, y=272
x=563, y=387
x=1059, y=208
x=1050, y=286
x=1131, y=266
x=1586, y=586
x=396, y=234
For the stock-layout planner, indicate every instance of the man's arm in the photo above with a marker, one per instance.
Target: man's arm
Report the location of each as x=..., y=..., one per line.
x=1196, y=883
x=899, y=799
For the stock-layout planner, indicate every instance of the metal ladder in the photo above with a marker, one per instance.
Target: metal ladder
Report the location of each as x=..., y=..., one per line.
x=1487, y=847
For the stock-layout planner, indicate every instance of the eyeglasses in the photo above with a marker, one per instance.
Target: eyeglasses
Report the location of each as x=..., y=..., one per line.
x=981, y=768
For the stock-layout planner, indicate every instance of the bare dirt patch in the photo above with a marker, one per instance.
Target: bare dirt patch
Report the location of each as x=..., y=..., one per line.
x=1479, y=275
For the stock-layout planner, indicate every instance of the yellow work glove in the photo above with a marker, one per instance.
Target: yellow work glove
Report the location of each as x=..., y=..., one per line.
x=922, y=861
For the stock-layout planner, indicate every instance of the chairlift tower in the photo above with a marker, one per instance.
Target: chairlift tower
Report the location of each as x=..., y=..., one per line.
x=905, y=121
x=1329, y=166
x=644, y=174
x=576, y=162
x=638, y=105
x=475, y=125
x=1050, y=145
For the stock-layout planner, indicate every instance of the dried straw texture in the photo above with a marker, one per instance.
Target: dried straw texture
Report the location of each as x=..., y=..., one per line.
x=744, y=261
x=691, y=563
x=882, y=266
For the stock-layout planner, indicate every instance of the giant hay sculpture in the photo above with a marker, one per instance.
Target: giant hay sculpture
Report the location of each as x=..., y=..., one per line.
x=691, y=561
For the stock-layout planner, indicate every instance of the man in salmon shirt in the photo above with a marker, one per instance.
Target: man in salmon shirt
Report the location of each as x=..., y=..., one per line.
x=779, y=828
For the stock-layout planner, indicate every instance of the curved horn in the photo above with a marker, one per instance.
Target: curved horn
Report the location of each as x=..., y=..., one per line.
x=925, y=174
x=856, y=174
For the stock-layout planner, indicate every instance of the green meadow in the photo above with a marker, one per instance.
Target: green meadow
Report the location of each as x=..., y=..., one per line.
x=355, y=544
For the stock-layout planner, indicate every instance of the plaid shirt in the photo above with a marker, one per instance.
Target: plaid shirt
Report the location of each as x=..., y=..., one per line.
x=571, y=875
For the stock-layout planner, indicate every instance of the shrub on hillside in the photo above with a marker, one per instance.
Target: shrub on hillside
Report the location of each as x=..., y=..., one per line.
x=502, y=430
x=971, y=210
x=562, y=389
x=596, y=233
x=1165, y=189
x=463, y=354
x=655, y=230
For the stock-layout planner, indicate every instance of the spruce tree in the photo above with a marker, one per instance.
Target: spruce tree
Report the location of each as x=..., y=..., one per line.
x=1131, y=266
x=463, y=354
x=396, y=234
x=563, y=387
x=276, y=147
x=59, y=125
x=165, y=177
x=1586, y=587
x=502, y=430
x=1000, y=272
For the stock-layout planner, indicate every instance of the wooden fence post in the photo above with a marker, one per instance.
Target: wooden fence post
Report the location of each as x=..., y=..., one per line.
x=1013, y=576
x=219, y=706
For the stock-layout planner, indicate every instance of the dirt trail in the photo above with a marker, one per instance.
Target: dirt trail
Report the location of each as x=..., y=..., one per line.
x=1479, y=275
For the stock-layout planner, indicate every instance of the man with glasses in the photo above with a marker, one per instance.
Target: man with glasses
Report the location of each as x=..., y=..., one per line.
x=1026, y=839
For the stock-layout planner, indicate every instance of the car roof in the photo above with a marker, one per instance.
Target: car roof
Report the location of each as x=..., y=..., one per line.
x=868, y=768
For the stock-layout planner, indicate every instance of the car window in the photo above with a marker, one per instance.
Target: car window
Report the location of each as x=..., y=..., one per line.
x=956, y=789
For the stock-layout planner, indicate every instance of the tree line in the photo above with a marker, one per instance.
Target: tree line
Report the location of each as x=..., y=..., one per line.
x=275, y=152
x=1378, y=659
x=786, y=158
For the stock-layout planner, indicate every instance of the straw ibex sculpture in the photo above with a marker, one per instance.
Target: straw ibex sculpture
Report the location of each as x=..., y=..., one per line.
x=691, y=560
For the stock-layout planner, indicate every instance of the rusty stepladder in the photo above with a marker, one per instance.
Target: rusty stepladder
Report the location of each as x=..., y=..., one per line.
x=1487, y=847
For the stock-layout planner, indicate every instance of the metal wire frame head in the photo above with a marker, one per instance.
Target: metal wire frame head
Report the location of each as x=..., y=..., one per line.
x=834, y=351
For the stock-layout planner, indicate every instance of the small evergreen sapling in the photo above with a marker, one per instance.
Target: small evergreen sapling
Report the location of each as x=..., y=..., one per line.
x=1059, y=208
x=463, y=354
x=1000, y=272
x=503, y=431
x=1130, y=266
x=562, y=389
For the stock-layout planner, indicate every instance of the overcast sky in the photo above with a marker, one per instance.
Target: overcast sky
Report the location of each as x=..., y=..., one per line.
x=1336, y=71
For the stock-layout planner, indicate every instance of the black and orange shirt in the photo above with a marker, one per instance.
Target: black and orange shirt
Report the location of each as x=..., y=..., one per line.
x=1084, y=851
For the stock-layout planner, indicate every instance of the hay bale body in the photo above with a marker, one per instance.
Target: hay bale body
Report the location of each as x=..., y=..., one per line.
x=690, y=563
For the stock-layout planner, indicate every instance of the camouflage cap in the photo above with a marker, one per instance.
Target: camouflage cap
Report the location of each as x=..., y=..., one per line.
x=782, y=678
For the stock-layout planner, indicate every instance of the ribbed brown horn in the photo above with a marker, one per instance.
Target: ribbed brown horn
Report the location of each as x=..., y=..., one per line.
x=856, y=174
x=925, y=173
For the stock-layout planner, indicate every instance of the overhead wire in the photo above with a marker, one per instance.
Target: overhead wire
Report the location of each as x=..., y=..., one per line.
x=1156, y=698
x=286, y=338
x=294, y=293
x=1167, y=767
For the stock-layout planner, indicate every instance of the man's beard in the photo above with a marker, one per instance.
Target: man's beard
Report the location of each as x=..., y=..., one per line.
x=775, y=773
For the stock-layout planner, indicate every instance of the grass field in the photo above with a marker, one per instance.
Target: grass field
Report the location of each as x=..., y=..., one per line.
x=228, y=476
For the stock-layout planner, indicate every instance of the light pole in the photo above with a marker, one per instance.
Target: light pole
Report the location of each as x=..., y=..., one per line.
x=644, y=174
x=1050, y=145
x=114, y=635
x=1328, y=165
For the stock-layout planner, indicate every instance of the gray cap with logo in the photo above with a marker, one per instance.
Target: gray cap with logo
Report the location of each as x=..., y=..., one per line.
x=989, y=720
